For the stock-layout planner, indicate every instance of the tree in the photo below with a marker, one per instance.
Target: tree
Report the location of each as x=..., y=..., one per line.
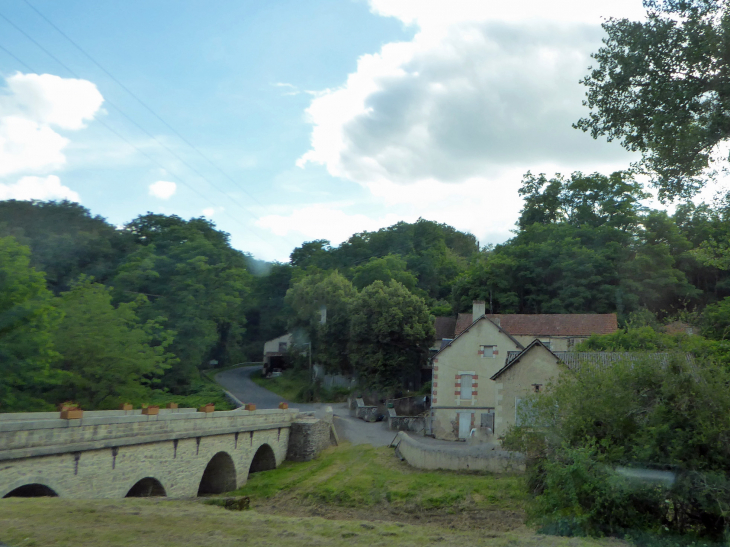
x=384, y=269
x=330, y=294
x=196, y=281
x=594, y=422
x=716, y=320
x=65, y=239
x=661, y=87
x=582, y=200
x=390, y=333
x=110, y=353
x=27, y=322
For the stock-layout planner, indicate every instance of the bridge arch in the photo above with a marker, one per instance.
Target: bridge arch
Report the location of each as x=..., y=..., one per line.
x=219, y=475
x=146, y=488
x=263, y=460
x=32, y=490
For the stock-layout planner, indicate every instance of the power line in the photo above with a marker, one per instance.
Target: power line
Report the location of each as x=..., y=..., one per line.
x=16, y=58
x=140, y=101
x=73, y=73
x=118, y=109
x=119, y=135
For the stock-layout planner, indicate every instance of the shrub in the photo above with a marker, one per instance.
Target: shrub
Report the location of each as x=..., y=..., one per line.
x=671, y=418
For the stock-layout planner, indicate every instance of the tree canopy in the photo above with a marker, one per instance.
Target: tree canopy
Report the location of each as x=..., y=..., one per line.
x=661, y=88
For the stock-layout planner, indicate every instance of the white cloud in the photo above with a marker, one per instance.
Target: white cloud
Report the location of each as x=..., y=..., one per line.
x=32, y=108
x=433, y=14
x=208, y=212
x=42, y=188
x=163, y=189
x=321, y=221
x=483, y=87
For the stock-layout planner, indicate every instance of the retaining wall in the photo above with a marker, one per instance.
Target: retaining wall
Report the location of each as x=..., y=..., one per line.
x=459, y=457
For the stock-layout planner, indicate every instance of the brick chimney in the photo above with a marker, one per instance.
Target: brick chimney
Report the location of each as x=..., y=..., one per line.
x=479, y=308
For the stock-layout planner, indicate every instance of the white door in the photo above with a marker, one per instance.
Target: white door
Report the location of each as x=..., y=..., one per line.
x=464, y=424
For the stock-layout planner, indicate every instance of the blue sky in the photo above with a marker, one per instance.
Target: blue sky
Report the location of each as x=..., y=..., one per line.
x=310, y=120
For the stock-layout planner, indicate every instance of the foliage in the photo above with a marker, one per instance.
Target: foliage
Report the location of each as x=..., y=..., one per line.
x=110, y=354
x=586, y=245
x=582, y=200
x=660, y=88
x=66, y=241
x=196, y=282
x=646, y=338
x=27, y=322
x=325, y=293
x=295, y=386
x=716, y=320
x=643, y=416
x=384, y=269
x=390, y=333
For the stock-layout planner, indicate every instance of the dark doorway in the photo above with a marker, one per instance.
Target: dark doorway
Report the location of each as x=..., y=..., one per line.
x=146, y=488
x=219, y=476
x=263, y=460
x=31, y=491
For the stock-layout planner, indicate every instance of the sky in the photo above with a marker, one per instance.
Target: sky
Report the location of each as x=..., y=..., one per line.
x=287, y=121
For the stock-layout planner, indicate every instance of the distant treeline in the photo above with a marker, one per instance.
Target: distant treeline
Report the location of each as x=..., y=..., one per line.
x=100, y=313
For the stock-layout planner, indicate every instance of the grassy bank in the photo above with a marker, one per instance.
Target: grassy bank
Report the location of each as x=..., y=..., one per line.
x=52, y=522
x=294, y=386
x=366, y=482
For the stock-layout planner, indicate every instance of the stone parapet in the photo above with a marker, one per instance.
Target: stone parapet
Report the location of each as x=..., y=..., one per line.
x=47, y=435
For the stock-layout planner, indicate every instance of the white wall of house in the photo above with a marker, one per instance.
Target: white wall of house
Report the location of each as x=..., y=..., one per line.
x=461, y=387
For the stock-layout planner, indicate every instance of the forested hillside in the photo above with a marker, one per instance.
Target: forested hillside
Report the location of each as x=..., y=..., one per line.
x=100, y=314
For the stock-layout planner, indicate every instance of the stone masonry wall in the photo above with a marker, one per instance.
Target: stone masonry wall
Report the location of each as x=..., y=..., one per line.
x=308, y=437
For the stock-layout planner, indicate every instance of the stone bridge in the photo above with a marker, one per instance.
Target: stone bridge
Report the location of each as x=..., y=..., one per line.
x=112, y=454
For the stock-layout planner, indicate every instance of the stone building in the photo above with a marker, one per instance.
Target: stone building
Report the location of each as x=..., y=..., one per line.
x=465, y=392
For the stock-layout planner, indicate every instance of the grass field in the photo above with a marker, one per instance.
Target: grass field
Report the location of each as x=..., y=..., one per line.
x=366, y=477
x=46, y=522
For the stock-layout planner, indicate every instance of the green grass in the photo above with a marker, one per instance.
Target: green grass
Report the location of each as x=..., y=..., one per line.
x=288, y=385
x=53, y=522
x=362, y=476
x=293, y=384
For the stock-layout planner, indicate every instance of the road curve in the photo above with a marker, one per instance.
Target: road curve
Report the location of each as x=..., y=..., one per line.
x=238, y=382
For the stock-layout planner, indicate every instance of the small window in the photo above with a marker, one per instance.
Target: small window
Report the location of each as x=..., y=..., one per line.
x=524, y=411
x=488, y=352
x=282, y=347
x=466, y=386
x=488, y=420
x=546, y=343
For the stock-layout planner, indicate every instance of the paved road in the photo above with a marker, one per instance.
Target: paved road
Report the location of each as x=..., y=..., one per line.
x=238, y=382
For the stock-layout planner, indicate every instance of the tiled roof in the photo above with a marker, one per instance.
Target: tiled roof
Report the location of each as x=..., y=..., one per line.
x=568, y=324
x=445, y=327
x=463, y=321
x=575, y=360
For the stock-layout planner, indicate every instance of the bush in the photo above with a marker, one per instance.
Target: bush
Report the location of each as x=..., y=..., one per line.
x=646, y=416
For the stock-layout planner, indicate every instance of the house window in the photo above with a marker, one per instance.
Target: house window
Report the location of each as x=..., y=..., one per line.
x=524, y=411
x=546, y=343
x=467, y=381
x=488, y=352
x=282, y=347
x=488, y=420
